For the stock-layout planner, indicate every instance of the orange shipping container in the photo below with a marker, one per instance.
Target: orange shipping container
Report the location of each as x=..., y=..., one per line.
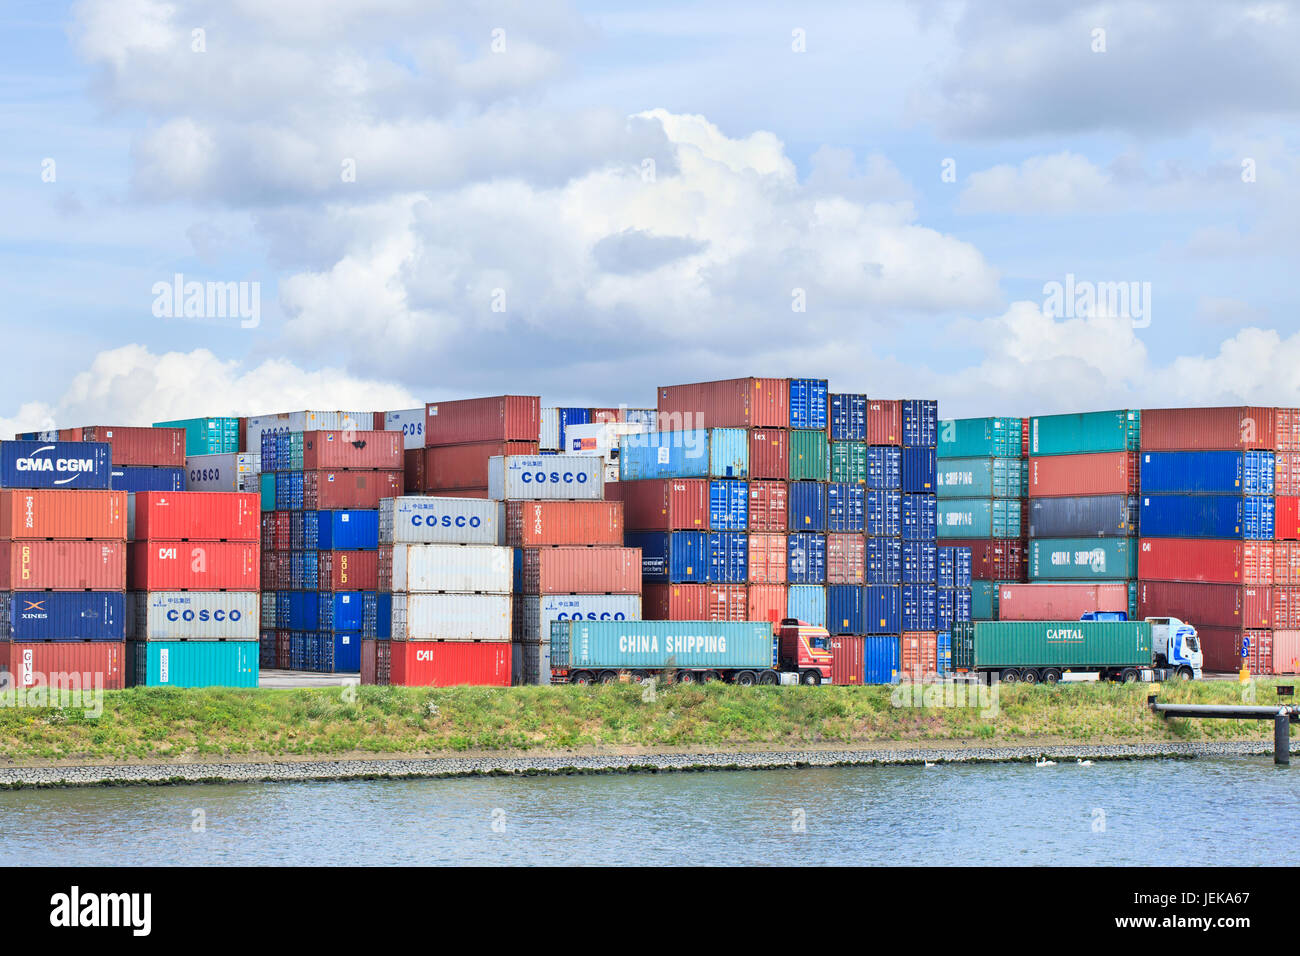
x=769, y=453
x=1286, y=562
x=767, y=557
x=1104, y=473
x=767, y=602
x=568, y=570
x=91, y=665
x=675, y=602
x=919, y=652
x=360, y=449
x=1222, y=646
x=1286, y=473
x=1209, y=429
x=768, y=506
x=344, y=570
x=727, y=602
x=733, y=403
x=1287, y=438
x=63, y=566
x=140, y=446
x=162, y=565
x=448, y=663
x=885, y=423
x=531, y=524
x=63, y=513
x=848, y=660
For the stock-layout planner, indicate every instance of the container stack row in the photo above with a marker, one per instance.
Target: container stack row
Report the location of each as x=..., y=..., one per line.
x=215, y=455
x=321, y=569
x=143, y=459
x=459, y=439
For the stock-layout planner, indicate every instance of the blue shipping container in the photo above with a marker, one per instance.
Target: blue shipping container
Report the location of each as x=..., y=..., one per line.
x=919, y=607
x=963, y=602
x=884, y=468
x=808, y=398
x=1207, y=472
x=881, y=662
x=806, y=558
x=62, y=616
x=920, y=423
x=56, y=464
x=728, y=505
x=920, y=563
x=885, y=514
x=671, y=557
x=572, y=416
x=351, y=530
x=846, y=507
x=881, y=609
x=137, y=478
x=920, y=517
x=1207, y=516
x=303, y=610
x=848, y=417
x=844, y=608
x=694, y=453
x=806, y=506
x=377, y=615
x=943, y=608
x=341, y=610
x=920, y=470
x=884, y=561
x=728, y=557
x=338, y=652
x=807, y=603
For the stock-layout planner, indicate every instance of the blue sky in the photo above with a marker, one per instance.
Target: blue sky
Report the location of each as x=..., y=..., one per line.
x=501, y=233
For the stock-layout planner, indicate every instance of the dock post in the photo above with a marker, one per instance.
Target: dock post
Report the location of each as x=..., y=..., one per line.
x=1282, y=738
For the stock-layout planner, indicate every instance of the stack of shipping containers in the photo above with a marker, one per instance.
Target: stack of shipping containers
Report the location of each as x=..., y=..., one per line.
x=144, y=459
x=919, y=647
x=214, y=460
x=193, y=603
x=62, y=565
x=460, y=437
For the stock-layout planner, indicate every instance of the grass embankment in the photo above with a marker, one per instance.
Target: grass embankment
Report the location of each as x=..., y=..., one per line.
x=155, y=723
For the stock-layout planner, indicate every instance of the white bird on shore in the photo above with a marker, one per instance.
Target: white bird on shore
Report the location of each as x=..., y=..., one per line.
x=928, y=764
x=1044, y=762
x=1084, y=763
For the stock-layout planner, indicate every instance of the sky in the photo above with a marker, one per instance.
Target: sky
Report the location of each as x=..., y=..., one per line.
x=1017, y=207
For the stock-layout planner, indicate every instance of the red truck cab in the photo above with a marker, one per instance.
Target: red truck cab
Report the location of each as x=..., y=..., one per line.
x=804, y=649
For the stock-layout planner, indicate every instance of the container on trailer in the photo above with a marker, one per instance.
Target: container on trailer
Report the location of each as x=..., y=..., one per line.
x=885, y=513
x=1102, y=516
x=1101, y=473
x=919, y=653
x=1000, y=644
x=323, y=450
x=697, y=453
x=545, y=476
x=169, y=564
x=807, y=506
x=882, y=609
x=1085, y=433
x=844, y=609
x=768, y=602
x=531, y=524
x=1208, y=472
x=920, y=423
x=920, y=518
x=1207, y=516
x=193, y=615
x=848, y=417
x=234, y=471
x=674, y=602
x=449, y=664
x=728, y=505
x=65, y=513
x=498, y=419
x=1087, y=559
x=532, y=614
x=769, y=453
x=809, y=455
x=445, y=567
x=884, y=561
x=732, y=403
x=428, y=520
x=728, y=553
x=994, y=559
x=768, y=555
x=328, y=490
x=192, y=663
x=450, y=617
x=849, y=462
x=1240, y=428
x=848, y=654
x=1208, y=560
x=62, y=616
x=846, y=558
x=77, y=665
x=652, y=645
x=806, y=558
x=885, y=468
x=807, y=603
x=1212, y=605
x=880, y=659
x=769, y=506
x=63, y=565
x=207, y=436
x=1058, y=602
x=967, y=438
x=195, y=516
x=140, y=446
x=61, y=464
x=981, y=478
x=920, y=562
x=566, y=570
x=462, y=467
x=978, y=518
x=808, y=403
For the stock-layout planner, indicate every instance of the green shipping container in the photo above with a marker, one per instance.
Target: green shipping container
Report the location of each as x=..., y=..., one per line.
x=809, y=455
x=982, y=478
x=1085, y=433
x=192, y=663
x=267, y=486
x=207, y=436
x=981, y=645
x=984, y=600
x=1082, y=559
x=979, y=438
x=849, y=461
x=979, y=518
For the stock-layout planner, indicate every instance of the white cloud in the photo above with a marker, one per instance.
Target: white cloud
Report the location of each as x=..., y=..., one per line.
x=1059, y=183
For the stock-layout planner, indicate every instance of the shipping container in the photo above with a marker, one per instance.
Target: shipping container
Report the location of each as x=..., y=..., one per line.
x=654, y=645
x=733, y=403
x=769, y=453
x=140, y=446
x=137, y=478
x=193, y=615
x=533, y=614
x=920, y=563
x=545, y=476
x=531, y=524
x=809, y=456
x=448, y=664
x=62, y=464
x=306, y=421
x=1286, y=651
x=675, y=602
x=461, y=467
x=920, y=423
x=1227, y=650
x=62, y=513
x=63, y=565
x=347, y=570
x=882, y=609
x=75, y=665
x=807, y=506
x=768, y=506
x=1087, y=559
x=953, y=567
x=1207, y=516
x=1105, y=473
x=985, y=645
x=846, y=508
x=325, y=450
x=885, y=468
x=1286, y=473
x=918, y=604
x=445, y=567
x=767, y=602
x=1208, y=472
x=1085, y=433
x=1286, y=518
x=236, y=471
x=807, y=603
x=808, y=403
x=885, y=423
x=981, y=478
x=848, y=654
x=881, y=662
x=844, y=609
x=27, y=616
x=994, y=559
x=726, y=602
x=430, y=520
x=919, y=470
x=919, y=654
x=806, y=558
x=266, y=487
x=978, y=518
x=1240, y=428
x=1212, y=605
x=849, y=462
x=728, y=553
x=767, y=558
x=207, y=436
x=503, y=418
x=1059, y=602
x=408, y=421
x=920, y=517
x=966, y=438
x=884, y=561
x=700, y=453
x=728, y=505
x=329, y=490
x=672, y=556
x=1102, y=516
x=846, y=558
x=167, y=564
x=1210, y=560
x=885, y=514
x=195, y=516
x=581, y=570
x=450, y=617
x=341, y=529
x=664, y=504
x=848, y=417
x=192, y=663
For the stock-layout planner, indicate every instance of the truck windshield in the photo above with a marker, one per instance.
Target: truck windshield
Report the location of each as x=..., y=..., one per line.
x=822, y=643
x=1193, y=642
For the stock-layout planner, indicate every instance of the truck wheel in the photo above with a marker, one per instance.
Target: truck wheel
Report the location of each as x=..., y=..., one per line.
x=686, y=677
x=746, y=679
x=1009, y=676
x=1029, y=675
x=707, y=677
x=811, y=678
x=767, y=678
x=609, y=677
x=1184, y=673
x=1128, y=675
x=581, y=677
x=1051, y=676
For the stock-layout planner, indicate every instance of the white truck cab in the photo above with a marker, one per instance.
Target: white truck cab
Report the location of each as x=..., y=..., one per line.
x=1175, y=645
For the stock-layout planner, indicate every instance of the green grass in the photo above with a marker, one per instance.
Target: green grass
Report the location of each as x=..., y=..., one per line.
x=210, y=723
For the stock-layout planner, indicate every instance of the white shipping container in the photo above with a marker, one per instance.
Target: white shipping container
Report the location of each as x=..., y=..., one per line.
x=408, y=421
x=450, y=567
x=545, y=477
x=534, y=613
x=431, y=520
x=548, y=437
x=196, y=615
x=309, y=421
x=236, y=471
x=451, y=617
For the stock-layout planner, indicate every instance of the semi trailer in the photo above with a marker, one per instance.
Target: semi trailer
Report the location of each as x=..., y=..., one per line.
x=744, y=653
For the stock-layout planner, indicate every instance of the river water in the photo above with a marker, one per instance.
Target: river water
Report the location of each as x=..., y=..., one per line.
x=1215, y=811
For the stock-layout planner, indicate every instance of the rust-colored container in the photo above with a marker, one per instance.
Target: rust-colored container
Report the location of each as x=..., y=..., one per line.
x=413, y=481
x=1209, y=560
x=727, y=602
x=675, y=602
x=462, y=493
x=503, y=418
x=140, y=446
x=1059, y=602
x=769, y=453
x=1286, y=651
x=1286, y=473
x=846, y=559
x=199, y=515
x=270, y=567
x=919, y=654
x=885, y=423
x=72, y=434
x=1103, y=473
x=1287, y=434
x=767, y=602
x=268, y=531
x=282, y=530
x=581, y=570
x=1286, y=562
x=331, y=490
x=74, y=665
x=449, y=663
x=376, y=662
x=663, y=504
x=166, y=565
x=1286, y=518
x=533, y=524
x=1221, y=647
x=1236, y=428
x=464, y=466
x=63, y=513
x=769, y=504
x=733, y=403
x=380, y=450
x=284, y=650
x=1210, y=605
x=1286, y=607
x=347, y=570
x=63, y=566
x=993, y=559
x=848, y=661
x=767, y=558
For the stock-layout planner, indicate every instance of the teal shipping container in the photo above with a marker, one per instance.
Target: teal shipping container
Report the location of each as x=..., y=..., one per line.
x=266, y=485
x=1085, y=433
x=695, y=453
x=982, y=478
x=979, y=518
x=984, y=600
x=979, y=438
x=207, y=436
x=1060, y=644
x=192, y=663
x=1082, y=559
x=651, y=645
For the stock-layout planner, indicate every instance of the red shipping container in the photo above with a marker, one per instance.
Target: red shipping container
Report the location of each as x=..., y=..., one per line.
x=1210, y=605
x=378, y=421
x=675, y=602
x=919, y=654
x=62, y=513
x=1058, y=602
x=767, y=602
x=1105, y=473
x=1286, y=562
x=1286, y=518
x=1221, y=648
x=1286, y=607
x=600, y=416
x=361, y=449
x=448, y=663
x=727, y=602
x=1286, y=473
x=450, y=467
x=769, y=453
x=72, y=434
x=499, y=419
x=284, y=650
x=282, y=531
x=73, y=665
x=163, y=565
x=1242, y=428
x=885, y=423
x=347, y=570
x=732, y=403
x=63, y=566
x=199, y=515
x=567, y=570
x=140, y=446
x=376, y=662
x=848, y=661
x=846, y=558
x=767, y=558
x=330, y=490
x=413, y=480
x=1287, y=436
x=461, y=493
x=663, y=504
x=1208, y=560
x=768, y=506
x=270, y=565
x=532, y=524
x=993, y=559
x=1286, y=652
